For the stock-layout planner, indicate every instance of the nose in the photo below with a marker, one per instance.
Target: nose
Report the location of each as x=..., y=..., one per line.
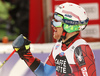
x=52, y=26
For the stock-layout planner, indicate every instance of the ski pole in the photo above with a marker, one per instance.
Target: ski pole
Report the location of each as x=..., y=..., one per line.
x=7, y=58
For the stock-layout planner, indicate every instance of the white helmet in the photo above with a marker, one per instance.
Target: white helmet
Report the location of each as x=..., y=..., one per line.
x=72, y=16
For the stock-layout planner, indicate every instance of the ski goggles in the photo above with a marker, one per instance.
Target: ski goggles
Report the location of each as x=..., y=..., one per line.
x=58, y=20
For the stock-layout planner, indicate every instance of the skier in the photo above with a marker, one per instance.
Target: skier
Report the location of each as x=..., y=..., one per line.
x=71, y=55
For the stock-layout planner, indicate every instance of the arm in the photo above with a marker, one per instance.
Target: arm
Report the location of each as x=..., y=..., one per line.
x=84, y=59
x=37, y=66
x=22, y=47
x=48, y=68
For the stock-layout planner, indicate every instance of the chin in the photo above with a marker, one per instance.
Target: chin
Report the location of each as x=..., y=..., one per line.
x=56, y=37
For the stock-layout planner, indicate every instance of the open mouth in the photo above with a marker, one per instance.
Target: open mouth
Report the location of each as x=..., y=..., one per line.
x=55, y=30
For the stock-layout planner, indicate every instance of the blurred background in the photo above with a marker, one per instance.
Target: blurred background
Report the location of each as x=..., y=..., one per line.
x=14, y=18
x=32, y=18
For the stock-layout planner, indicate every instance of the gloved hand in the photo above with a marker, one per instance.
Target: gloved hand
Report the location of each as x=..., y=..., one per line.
x=22, y=45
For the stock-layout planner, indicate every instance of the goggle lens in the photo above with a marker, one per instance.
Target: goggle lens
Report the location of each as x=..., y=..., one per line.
x=57, y=20
x=58, y=17
x=56, y=24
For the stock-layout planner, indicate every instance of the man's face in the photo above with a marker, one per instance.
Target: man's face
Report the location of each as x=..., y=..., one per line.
x=57, y=32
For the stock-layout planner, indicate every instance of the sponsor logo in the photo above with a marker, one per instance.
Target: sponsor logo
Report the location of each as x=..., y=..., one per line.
x=62, y=66
x=84, y=71
x=62, y=54
x=91, y=31
x=79, y=56
x=67, y=15
x=57, y=46
x=92, y=10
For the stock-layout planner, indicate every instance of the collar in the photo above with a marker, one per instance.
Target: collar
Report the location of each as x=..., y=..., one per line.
x=70, y=41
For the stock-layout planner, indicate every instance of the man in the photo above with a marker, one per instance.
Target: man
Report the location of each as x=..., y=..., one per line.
x=71, y=55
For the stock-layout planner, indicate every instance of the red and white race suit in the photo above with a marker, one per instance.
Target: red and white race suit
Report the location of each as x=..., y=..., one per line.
x=76, y=60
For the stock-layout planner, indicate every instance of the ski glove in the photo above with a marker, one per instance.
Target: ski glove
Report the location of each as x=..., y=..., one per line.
x=22, y=45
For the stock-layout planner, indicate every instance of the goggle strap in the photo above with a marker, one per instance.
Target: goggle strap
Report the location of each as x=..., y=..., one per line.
x=64, y=33
x=72, y=22
x=63, y=36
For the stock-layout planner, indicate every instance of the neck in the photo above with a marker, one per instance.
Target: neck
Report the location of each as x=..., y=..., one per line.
x=70, y=37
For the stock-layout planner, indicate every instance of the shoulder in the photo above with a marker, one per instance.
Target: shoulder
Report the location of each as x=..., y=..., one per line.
x=81, y=46
x=83, y=49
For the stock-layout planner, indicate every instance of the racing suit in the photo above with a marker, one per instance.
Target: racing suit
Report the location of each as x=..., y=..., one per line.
x=71, y=58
